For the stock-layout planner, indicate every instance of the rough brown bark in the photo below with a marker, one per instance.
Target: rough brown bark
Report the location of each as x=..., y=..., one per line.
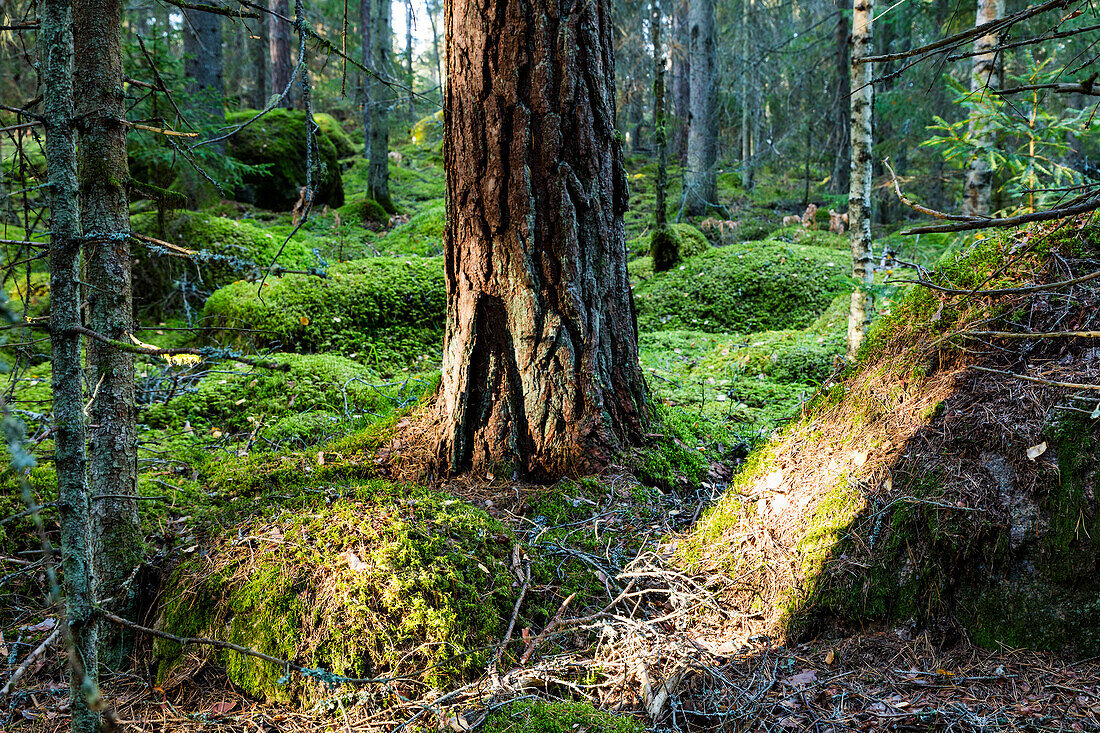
x=382, y=102
x=701, y=175
x=282, y=67
x=105, y=220
x=540, y=366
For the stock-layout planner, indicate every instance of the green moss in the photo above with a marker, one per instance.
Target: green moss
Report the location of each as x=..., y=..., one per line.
x=421, y=235
x=742, y=288
x=363, y=209
x=428, y=130
x=334, y=131
x=385, y=312
x=536, y=716
x=387, y=579
x=277, y=141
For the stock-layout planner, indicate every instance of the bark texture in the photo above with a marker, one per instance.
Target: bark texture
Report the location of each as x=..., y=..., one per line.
x=70, y=456
x=839, y=180
x=383, y=100
x=985, y=75
x=259, y=50
x=748, y=169
x=282, y=67
x=540, y=366
x=366, y=24
x=700, y=176
x=859, y=194
x=203, y=70
x=681, y=82
x=105, y=221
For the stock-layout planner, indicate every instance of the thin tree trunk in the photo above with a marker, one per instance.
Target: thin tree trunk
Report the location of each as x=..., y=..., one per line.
x=282, y=67
x=748, y=173
x=433, y=9
x=105, y=220
x=859, y=195
x=410, y=79
x=540, y=366
x=260, y=51
x=842, y=164
x=700, y=180
x=985, y=75
x=70, y=448
x=681, y=82
x=366, y=24
x=203, y=69
x=383, y=99
x=659, y=138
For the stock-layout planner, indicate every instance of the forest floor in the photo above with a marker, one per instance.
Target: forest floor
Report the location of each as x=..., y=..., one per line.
x=283, y=496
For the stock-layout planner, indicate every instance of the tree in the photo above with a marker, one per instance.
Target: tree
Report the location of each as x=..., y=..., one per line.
x=859, y=194
x=842, y=164
x=700, y=179
x=282, y=67
x=105, y=224
x=540, y=364
x=985, y=75
x=382, y=102
x=259, y=50
x=202, y=68
x=748, y=173
x=366, y=22
x=70, y=449
x=664, y=244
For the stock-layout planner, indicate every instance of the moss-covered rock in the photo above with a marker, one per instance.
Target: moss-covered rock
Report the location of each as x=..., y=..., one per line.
x=364, y=210
x=743, y=288
x=385, y=312
x=334, y=131
x=917, y=489
x=278, y=141
x=385, y=580
x=420, y=235
x=537, y=716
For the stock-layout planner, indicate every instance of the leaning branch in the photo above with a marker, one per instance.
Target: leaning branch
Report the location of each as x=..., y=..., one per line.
x=215, y=9
x=183, y=351
x=1038, y=380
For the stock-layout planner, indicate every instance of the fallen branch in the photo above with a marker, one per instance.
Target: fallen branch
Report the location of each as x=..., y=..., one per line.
x=1025, y=290
x=1019, y=335
x=38, y=652
x=1039, y=380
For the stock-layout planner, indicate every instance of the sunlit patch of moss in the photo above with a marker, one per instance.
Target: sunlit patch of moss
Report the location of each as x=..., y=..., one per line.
x=385, y=579
x=334, y=131
x=421, y=235
x=360, y=208
x=743, y=288
x=536, y=716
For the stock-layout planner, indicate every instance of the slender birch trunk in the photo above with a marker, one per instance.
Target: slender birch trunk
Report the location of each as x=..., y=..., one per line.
x=859, y=194
x=70, y=447
x=985, y=75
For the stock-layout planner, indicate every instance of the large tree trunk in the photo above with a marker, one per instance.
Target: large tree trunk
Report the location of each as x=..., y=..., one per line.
x=282, y=67
x=859, y=194
x=700, y=179
x=105, y=220
x=409, y=77
x=839, y=180
x=540, y=364
x=70, y=449
x=382, y=99
x=259, y=49
x=985, y=75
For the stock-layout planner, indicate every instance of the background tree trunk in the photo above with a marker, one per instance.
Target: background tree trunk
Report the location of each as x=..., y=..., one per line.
x=681, y=82
x=366, y=24
x=259, y=48
x=70, y=447
x=282, y=66
x=410, y=78
x=105, y=220
x=382, y=99
x=859, y=194
x=748, y=171
x=700, y=178
x=205, y=100
x=985, y=75
x=540, y=365
x=839, y=180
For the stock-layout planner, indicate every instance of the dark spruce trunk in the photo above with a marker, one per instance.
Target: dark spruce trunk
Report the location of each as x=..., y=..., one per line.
x=282, y=67
x=366, y=24
x=70, y=457
x=105, y=220
x=259, y=51
x=540, y=365
x=841, y=174
x=205, y=100
x=664, y=245
x=382, y=102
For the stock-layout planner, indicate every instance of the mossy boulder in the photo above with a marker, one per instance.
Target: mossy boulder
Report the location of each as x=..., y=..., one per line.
x=420, y=235
x=385, y=580
x=916, y=489
x=336, y=134
x=386, y=312
x=278, y=142
x=364, y=210
x=428, y=130
x=742, y=288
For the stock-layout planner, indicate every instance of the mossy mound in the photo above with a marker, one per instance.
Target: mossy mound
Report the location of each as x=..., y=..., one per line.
x=327, y=385
x=920, y=488
x=428, y=130
x=743, y=288
x=364, y=210
x=384, y=580
x=537, y=716
x=334, y=131
x=227, y=250
x=420, y=235
x=278, y=141
x=384, y=312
